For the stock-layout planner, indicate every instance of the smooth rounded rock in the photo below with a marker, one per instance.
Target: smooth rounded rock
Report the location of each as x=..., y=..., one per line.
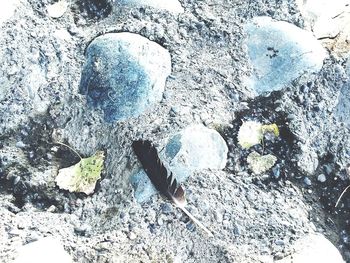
x=124, y=74
x=172, y=6
x=321, y=178
x=193, y=149
x=280, y=52
x=313, y=248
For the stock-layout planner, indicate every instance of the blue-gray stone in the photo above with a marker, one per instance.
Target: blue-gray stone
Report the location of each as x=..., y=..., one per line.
x=307, y=181
x=194, y=148
x=172, y=6
x=280, y=52
x=124, y=74
x=143, y=187
x=173, y=146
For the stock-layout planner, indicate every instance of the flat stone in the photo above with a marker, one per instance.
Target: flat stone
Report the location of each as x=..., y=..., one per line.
x=313, y=248
x=193, y=149
x=172, y=6
x=124, y=74
x=42, y=251
x=280, y=52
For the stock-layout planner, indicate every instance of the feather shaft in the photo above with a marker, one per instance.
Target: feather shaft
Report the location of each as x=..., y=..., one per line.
x=195, y=220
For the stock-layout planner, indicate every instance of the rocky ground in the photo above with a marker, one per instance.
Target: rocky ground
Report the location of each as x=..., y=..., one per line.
x=212, y=63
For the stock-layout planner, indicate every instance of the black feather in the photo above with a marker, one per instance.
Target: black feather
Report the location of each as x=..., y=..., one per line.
x=163, y=180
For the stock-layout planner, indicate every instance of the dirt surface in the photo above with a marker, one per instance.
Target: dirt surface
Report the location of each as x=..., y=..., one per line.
x=253, y=218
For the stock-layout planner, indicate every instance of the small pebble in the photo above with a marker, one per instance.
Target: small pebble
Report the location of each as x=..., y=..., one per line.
x=307, y=181
x=132, y=236
x=327, y=169
x=321, y=178
x=237, y=230
x=279, y=242
x=160, y=221
x=190, y=226
x=218, y=216
x=173, y=112
x=167, y=208
x=20, y=144
x=51, y=209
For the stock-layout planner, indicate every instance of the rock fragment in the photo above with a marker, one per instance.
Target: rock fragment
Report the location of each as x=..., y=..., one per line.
x=124, y=74
x=280, y=52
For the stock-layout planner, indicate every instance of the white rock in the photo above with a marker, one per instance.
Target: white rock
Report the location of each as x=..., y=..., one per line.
x=324, y=17
x=195, y=148
x=58, y=9
x=280, y=52
x=329, y=21
x=173, y=6
x=43, y=251
x=7, y=9
x=313, y=248
x=321, y=178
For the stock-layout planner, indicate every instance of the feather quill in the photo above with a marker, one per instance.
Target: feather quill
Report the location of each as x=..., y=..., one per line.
x=163, y=180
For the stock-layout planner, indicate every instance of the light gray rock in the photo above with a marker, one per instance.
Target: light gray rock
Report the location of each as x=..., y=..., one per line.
x=326, y=18
x=321, y=178
x=193, y=149
x=313, y=248
x=280, y=52
x=172, y=6
x=124, y=74
x=7, y=9
x=42, y=251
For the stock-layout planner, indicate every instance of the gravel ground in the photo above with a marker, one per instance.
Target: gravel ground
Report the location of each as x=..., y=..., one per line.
x=253, y=218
